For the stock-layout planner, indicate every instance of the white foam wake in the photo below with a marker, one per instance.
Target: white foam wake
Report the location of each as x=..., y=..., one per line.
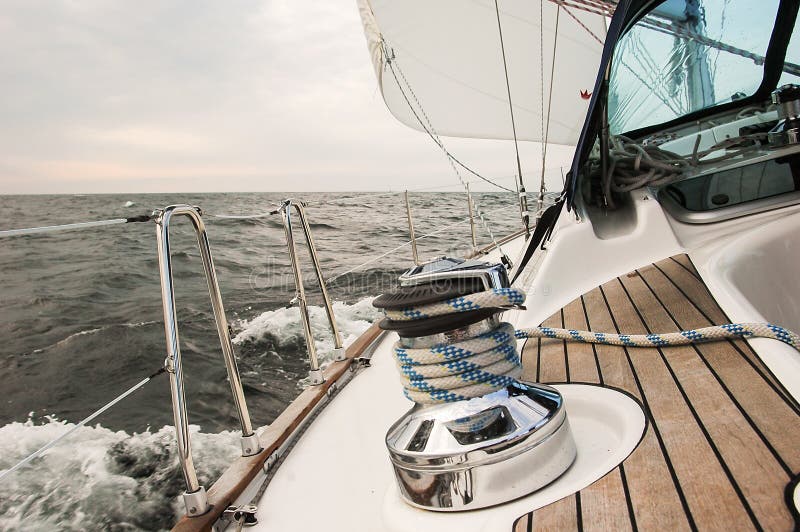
x=283, y=327
x=99, y=479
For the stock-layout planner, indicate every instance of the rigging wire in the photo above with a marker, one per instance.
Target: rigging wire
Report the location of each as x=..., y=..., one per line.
x=243, y=216
x=360, y=197
x=549, y=105
x=508, y=91
x=579, y=21
x=74, y=226
x=606, y=9
x=391, y=62
x=676, y=31
x=520, y=186
x=52, y=443
x=401, y=246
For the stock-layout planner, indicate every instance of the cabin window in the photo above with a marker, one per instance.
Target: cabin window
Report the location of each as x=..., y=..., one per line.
x=736, y=186
x=687, y=55
x=791, y=74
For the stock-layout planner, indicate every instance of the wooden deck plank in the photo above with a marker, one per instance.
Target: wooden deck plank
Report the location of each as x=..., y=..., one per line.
x=686, y=262
x=603, y=504
x=753, y=471
x=655, y=498
x=702, y=300
x=721, y=444
x=690, y=453
x=530, y=359
x=581, y=360
x=523, y=524
x=769, y=413
x=687, y=280
x=615, y=370
x=558, y=516
x=552, y=355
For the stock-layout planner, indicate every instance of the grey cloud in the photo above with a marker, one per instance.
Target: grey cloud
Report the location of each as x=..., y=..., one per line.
x=198, y=95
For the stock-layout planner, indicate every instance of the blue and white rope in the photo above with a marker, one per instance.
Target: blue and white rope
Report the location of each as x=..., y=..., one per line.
x=494, y=298
x=729, y=331
x=470, y=368
x=479, y=365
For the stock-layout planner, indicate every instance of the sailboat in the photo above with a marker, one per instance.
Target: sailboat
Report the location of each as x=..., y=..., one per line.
x=658, y=377
x=626, y=359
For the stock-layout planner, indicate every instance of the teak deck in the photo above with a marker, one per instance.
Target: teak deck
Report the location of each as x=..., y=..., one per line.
x=723, y=437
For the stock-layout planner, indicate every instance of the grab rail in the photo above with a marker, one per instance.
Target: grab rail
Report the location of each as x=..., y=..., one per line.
x=195, y=496
x=315, y=373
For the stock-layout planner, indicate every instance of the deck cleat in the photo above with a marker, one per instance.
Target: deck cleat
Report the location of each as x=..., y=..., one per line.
x=477, y=435
x=787, y=131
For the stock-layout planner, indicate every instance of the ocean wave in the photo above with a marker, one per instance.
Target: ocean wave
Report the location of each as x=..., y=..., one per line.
x=99, y=479
x=92, y=331
x=281, y=329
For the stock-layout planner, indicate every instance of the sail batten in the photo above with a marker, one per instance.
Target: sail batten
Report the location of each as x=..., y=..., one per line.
x=449, y=53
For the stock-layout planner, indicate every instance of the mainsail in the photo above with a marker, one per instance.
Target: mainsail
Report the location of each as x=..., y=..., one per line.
x=449, y=53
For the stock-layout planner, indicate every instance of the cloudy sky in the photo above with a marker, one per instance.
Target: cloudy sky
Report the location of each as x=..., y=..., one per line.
x=113, y=96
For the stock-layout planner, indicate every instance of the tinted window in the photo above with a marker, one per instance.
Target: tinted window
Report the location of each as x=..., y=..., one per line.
x=688, y=55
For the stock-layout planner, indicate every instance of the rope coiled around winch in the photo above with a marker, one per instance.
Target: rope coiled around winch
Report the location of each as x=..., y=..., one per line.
x=461, y=370
x=494, y=298
x=477, y=365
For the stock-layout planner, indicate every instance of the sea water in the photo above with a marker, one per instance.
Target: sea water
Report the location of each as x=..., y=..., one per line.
x=81, y=322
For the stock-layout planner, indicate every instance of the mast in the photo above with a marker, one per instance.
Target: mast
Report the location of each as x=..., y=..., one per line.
x=698, y=72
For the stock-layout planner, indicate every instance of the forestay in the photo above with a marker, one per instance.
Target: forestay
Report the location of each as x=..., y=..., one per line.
x=450, y=54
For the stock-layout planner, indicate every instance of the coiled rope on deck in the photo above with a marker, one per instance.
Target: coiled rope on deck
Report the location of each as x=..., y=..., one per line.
x=714, y=333
x=477, y=365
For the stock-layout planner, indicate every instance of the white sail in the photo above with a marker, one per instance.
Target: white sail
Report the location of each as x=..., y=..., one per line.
x=449, y=52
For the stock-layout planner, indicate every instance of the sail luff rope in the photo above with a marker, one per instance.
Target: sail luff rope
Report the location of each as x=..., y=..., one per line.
x=521, y=185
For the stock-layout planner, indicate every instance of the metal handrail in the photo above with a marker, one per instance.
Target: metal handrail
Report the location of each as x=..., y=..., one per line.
x=315, y=373
x=195, y=495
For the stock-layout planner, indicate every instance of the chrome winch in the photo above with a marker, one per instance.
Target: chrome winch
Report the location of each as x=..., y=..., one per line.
x=477, y=435
x=787, y=131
